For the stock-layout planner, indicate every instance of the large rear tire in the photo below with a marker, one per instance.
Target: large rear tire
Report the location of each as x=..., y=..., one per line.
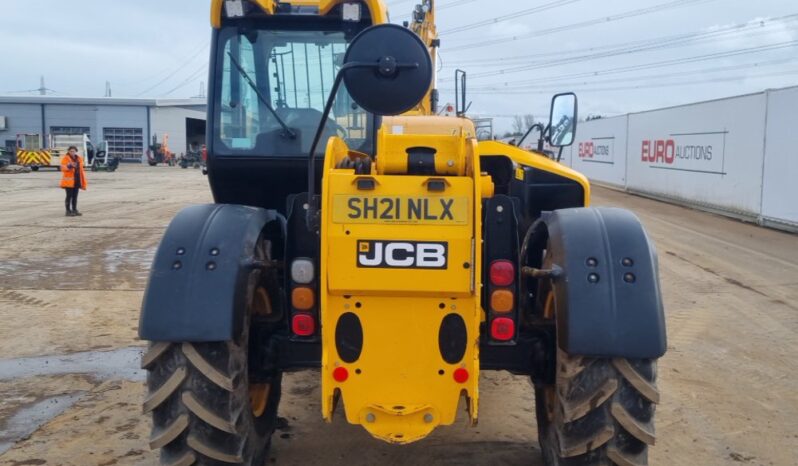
x=600, y=411
x=199, y=397
x=206, y=408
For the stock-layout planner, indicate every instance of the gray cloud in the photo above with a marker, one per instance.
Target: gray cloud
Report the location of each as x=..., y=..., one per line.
x=136, y=45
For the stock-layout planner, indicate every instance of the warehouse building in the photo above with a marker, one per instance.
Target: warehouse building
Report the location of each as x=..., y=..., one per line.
x=128, y=125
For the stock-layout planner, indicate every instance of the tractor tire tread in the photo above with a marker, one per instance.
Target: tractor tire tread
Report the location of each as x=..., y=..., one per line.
x=642, y=431
x=155, y=351
x=172, y=431
x=643, y=386
x=205, y=367
x=603, y=412
x=625, y=459
x=206, y=414
x=575, y=447
x=187, y=459
x=207, y=450
x=577, y=409
x=157, y=397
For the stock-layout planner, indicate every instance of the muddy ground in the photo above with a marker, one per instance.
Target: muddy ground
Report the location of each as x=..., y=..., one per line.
x=70, y=388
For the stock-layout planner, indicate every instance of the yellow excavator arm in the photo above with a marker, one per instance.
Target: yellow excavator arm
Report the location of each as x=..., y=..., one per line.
x=423, y=24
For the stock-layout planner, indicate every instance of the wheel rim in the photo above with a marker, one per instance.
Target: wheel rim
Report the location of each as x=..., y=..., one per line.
x=261, y=303
x=259, y=392
x=550, y=392
x=548, y=308
x=259, y=398
x=551, y=400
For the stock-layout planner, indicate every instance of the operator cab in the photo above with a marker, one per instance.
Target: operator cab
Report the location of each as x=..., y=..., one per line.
x=273, y=75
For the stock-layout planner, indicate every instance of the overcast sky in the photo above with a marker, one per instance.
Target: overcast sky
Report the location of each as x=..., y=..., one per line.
x=618, y=55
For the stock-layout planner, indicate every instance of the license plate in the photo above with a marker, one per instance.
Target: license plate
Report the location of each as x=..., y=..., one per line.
x=401, y=210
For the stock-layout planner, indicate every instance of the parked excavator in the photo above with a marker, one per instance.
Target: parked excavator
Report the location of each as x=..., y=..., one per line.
x=355, y=233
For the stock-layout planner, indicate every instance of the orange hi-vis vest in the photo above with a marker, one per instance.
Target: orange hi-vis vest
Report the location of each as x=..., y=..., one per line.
x=68, y=174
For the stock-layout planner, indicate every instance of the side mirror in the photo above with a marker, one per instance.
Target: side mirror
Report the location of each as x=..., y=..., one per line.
x=562, y=120
x=387, y=69
x=460, y=93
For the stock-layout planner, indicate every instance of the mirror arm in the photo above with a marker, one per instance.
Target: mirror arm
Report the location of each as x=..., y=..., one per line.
x=544, y=135
x=529, y=131
x=311, y=217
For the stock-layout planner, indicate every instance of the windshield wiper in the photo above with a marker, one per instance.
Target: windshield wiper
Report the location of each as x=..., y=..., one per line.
x=287, y=131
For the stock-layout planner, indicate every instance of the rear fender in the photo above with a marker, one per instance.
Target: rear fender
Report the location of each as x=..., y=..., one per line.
x=199, y=277
x=607, y=295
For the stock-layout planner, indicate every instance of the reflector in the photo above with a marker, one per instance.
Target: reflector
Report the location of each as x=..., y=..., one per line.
x=340, y=374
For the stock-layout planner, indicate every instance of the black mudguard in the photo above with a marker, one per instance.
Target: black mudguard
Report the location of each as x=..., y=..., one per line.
x=610, y=306
x=198, y=281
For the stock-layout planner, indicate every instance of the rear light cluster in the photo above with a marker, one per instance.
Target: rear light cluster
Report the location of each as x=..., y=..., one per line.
x=502, y=289
x=303, y=298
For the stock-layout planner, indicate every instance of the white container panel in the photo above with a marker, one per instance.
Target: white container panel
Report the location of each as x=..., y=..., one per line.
x=708, y=154
x=599, y=151
x=780, y=183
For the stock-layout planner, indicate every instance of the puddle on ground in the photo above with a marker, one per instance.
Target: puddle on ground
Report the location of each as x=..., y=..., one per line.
x=137, y=259
x=119, y=364
x=102, y=270
x=29, y=418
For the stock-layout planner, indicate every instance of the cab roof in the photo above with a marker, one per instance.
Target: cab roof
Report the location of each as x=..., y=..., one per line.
x=377, y=9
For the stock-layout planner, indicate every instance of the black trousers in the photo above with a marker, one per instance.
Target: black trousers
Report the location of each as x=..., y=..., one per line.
x=71, y=201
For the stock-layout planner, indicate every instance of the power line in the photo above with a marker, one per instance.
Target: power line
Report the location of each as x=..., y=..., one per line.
x=648, y=86
x=659, y=64
x=162, y=72
x=179, y=68
x=658, y=76
x=191, y=79
x=662, y=43
x=582, y=24
x=509, y=16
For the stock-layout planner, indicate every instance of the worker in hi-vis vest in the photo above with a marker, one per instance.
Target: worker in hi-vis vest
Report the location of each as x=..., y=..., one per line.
x=73, y=179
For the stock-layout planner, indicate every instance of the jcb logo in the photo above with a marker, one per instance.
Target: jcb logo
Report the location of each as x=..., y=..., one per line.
x=402, y=255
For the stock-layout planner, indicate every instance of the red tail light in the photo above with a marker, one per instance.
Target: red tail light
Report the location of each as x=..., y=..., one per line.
x=502, y=273
x=502, y=329
x=303, y=325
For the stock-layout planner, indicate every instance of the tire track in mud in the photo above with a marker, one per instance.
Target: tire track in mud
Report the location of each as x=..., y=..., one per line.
x=732, y=281
x=15, y=297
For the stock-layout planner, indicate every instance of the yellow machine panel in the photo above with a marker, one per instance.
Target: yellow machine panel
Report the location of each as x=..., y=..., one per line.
x=398, y=257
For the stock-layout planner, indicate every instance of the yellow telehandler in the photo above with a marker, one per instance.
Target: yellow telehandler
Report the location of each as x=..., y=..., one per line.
x=356, y=233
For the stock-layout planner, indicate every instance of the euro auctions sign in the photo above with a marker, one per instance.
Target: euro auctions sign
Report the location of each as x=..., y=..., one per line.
x=598, y=150
x=690, y=152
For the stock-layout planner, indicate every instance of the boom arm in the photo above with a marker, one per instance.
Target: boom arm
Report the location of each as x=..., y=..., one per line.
x=423, y=24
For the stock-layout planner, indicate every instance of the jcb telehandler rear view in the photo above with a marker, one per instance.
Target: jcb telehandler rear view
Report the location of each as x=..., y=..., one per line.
x=357, y=233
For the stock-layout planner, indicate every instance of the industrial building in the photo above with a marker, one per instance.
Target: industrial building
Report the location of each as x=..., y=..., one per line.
x=128, y=125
